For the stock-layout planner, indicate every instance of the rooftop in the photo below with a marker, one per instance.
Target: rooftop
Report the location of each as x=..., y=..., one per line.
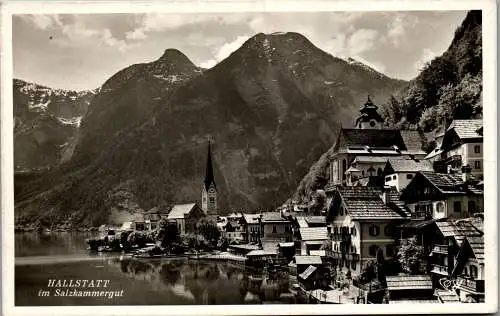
x=313, y=233
x=366, y=203
x=458, y=229
x=409, y=165
x=301, y=260
x=272, y=217
x=251, y=218
x=407, y=141
x=307, y=272
x=316, y=220
x=450, y=183
x=467, y=129
x=409, y=282
x=179, y=210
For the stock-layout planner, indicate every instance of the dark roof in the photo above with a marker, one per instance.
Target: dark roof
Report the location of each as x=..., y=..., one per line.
x=394, y=201
x=450, y=183
x=467, y=129
x=409, y=165
x=384, y=138
x=366, y=203
x=380, y=138
x=272, y=217
x=209, y=175
x=477, y=245
x=417, y=224
x=409, y=282
x=313, y=233
x=458, y=229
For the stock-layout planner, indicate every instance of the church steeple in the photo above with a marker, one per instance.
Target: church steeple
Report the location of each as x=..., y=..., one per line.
x=369, y=118
x=209, y=189
x=209, y=172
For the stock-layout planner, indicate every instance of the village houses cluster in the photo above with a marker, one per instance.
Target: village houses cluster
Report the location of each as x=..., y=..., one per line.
x=382, y=189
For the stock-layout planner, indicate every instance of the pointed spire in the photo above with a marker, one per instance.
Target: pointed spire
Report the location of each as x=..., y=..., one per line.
x=209, y=175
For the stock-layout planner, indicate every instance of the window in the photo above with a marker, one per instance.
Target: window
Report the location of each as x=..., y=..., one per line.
x=353, y=265
x=353, y=231
x=466, y=272
x=473, y=271
x=274, y=229
x=388, y=230
x=457, y=206
x=387, y=179
x=335, y=247
x=471, y=205
x=335, y=230
x=477, y=149
x=379, y=172
x=477, y=164
x=394, y=177
x=286, y=229
x=341, y=210
x=427, y=191
x=372, y=250
x=374, y=230
x=372, y=123
x=362, y=173
x=344, y=168
x=409, y=176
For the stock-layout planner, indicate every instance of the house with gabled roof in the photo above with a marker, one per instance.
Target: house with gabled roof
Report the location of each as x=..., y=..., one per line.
x=186, y=216
x=252, y=226
x=440, y=195
x=363, y=222
x=312, y=238
x=469, y=269
x=461, y=149
x=399, y=172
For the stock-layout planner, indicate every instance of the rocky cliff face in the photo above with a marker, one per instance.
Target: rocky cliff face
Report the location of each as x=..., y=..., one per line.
x=46, y=123
x=271, y=109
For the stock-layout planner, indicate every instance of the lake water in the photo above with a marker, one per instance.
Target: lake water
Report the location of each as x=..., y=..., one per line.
x=44, y=257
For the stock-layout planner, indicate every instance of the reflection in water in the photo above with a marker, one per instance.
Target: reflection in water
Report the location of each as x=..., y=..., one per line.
x=204, y=282
x=168, y=281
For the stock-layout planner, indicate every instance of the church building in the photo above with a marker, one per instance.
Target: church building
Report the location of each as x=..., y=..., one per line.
x=209, y=202
x=360, y=153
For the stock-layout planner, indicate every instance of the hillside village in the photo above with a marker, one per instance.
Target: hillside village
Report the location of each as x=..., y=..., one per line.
x=398, y=224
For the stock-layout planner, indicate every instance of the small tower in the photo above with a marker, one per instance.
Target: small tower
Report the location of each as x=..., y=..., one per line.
x=209, y=189
x=369, y=118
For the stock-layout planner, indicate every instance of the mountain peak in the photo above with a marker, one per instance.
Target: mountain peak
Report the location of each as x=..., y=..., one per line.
x=173, y=55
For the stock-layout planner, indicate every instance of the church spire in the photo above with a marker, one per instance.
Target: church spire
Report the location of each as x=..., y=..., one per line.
x=209, y=175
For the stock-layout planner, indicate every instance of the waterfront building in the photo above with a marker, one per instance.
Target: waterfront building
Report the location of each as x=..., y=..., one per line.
x=209, y=195
x=363, y=221
x=252, y=227
x=460, y=149
x=438, y=195
x=153, y=216
x=275, y=229
x=186, y=216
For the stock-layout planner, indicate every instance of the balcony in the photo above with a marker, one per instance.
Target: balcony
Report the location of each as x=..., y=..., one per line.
x=443, y=249
x=470, y=285
x=439, y=269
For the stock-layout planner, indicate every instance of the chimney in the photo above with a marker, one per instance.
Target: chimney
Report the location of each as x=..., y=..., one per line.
x=466, y=176
x=385, y=192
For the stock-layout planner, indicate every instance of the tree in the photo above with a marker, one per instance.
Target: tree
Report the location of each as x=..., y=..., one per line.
x=411, y=255
x=167, y=233
x=208, y=229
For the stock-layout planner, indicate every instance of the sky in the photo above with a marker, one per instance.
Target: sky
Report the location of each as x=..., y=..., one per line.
x=82, y=51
